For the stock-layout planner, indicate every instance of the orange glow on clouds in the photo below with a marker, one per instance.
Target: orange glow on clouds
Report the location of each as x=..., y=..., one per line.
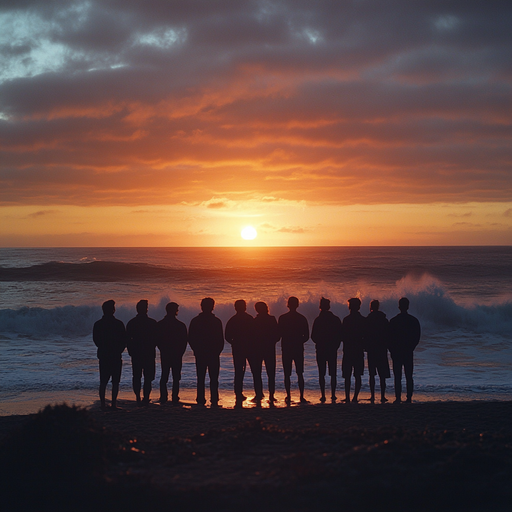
x=316, y=125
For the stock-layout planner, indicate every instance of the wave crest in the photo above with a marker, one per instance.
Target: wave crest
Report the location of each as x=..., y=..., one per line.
x=430, y=302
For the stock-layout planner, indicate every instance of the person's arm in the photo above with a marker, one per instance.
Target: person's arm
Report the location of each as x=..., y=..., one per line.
x=219, y=337
x=417, y=332
x=192, y=335
x=314, y=331
x=305, y=330
x=182, y=338
x=129, y=338
x=275, y=331
x=121, y=337
x=229, y=334
x=339, y=333
x=96, y=335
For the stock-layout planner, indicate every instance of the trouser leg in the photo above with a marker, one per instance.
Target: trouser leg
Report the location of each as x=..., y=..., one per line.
x=136, y=377
x=347, y=389
x=213, y=372
x=164, y=378
x=115, y=392
x=270, y=368
x=256, y=365
x=382, y=388
x=408, y=369
x=176, y=377
x=239, y=363
x=372, y=386
x=397, y=374
x=201, y=376
x=300, y=379
x=321, y=364
x=357, y=386
x=149, y=376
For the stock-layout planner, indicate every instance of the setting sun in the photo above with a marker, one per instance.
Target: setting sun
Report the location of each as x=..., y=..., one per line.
x=249, y=233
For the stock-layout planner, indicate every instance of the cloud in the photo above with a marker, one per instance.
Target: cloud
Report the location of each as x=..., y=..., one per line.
x=291, y=230
x=217, y=205
x=467, y=214
x=266, y=226
x=150, y=102
x=43, y=213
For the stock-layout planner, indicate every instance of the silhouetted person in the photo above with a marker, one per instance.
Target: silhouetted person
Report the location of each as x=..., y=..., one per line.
x=326, y=334
x=404, y=336
x=238, y=333
x=263, y=348
x=294, y=332
x=172, y=343
x=376, y=343
x=353, y=348
x=207, y=341
x=142, y=339
x=109, y=335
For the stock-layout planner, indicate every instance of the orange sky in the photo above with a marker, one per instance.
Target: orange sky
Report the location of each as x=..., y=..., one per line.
x=319, y=123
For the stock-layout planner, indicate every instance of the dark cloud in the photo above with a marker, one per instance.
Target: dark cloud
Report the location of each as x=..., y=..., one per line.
x=43, y=213
x=132, y=102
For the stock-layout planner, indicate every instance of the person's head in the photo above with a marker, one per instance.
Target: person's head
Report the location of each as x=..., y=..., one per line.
x=172, y=308
x=354, y=304
x=293, y=303
x=403, y=304
x=261, y=308
x=374, y=305
x=108, y=307
x=142, y=307
x=325, y=304
x=240, y=306
x=207, y=305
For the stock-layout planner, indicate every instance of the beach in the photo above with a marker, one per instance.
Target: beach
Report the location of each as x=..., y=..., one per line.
x=420, y=456
x=451, y=449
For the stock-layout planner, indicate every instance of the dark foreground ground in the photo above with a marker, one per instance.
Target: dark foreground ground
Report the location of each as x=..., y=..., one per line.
x=452, y=456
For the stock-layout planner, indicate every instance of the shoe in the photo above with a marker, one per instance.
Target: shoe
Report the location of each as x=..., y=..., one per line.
x=288, y=400
x=163, y=400
x=383, y=400
x=322, y=399
x=200, y=401
x=334, y=398
x=372, y=400
x=304, y=401
x=397, y=401
x=355, y=400
x=408, y=400
x=272, y=399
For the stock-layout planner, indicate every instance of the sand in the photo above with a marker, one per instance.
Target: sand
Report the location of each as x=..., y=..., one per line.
x=420, y=456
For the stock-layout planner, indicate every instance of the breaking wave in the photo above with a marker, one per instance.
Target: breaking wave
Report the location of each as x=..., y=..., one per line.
x=430, y=302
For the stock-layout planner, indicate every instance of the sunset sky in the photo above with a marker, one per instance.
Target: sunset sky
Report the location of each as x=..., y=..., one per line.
x=177, y=123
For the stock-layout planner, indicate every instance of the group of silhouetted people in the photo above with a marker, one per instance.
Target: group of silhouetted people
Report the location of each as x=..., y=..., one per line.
x=253, y=341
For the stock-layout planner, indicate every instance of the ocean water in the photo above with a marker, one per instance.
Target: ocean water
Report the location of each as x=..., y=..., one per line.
x=50, y=298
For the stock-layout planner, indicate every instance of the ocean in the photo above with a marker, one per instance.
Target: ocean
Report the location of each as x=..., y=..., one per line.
x=462, y=296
